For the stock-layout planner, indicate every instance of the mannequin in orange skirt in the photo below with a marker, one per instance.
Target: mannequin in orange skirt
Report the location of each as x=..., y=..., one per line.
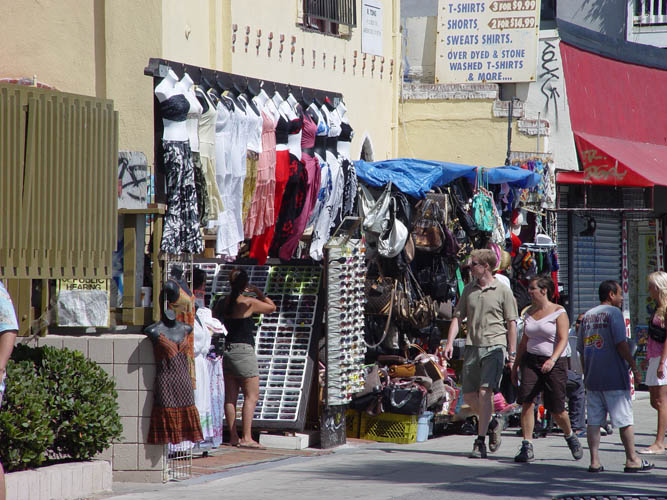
x=174, y=417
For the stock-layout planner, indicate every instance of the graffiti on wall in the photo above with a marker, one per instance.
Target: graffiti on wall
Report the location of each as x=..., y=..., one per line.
x=550, y=76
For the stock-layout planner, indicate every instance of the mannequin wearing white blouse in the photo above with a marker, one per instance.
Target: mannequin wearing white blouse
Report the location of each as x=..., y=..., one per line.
x=192, y=122
x=264, y=103
x=165, y=91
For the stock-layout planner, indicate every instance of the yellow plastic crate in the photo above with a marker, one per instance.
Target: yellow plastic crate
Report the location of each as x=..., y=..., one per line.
x=389, y=427
x=352, y=423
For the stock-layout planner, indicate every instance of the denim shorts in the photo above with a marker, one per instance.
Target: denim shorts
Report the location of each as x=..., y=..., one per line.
x=616, y=404
x=482, y=367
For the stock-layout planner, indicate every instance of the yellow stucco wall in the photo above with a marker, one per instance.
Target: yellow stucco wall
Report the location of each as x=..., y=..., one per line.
x=101, y=47
x=457, y=131
x=133, y=35
x=52, y=39
x=368, y=97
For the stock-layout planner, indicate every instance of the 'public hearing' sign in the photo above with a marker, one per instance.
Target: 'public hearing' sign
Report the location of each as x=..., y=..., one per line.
x=487, y=41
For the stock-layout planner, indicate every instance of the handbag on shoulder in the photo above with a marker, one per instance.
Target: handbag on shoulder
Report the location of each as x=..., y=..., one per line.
x=655, y=332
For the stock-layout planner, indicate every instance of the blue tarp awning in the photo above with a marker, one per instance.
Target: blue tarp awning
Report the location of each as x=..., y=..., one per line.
x=416, y=177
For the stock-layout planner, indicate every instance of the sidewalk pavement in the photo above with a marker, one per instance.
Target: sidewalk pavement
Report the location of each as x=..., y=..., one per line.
x=438, y=468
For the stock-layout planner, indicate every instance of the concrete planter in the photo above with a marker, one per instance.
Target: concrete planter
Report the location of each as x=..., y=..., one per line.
x=60, y=482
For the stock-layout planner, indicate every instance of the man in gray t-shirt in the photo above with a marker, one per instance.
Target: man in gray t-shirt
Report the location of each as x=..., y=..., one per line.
x=605, y=358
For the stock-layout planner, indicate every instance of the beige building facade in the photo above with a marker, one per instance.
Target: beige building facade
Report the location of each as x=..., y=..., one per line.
x=101, y=47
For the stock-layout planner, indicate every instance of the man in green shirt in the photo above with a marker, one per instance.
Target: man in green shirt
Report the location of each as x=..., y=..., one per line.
x=490, y=310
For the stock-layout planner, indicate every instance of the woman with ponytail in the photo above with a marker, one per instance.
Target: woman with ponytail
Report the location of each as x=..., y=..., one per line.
x=239, y=362
x=656, y=353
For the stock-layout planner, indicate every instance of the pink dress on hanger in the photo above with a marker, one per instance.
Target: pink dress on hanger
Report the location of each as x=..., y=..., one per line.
x=261, y=216
x=312, y=167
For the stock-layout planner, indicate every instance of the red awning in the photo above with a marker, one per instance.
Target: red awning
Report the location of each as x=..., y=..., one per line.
x=617, y=162
x=617, y=111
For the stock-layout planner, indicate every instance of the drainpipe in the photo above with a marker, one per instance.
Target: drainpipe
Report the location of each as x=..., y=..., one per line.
x=398, y=73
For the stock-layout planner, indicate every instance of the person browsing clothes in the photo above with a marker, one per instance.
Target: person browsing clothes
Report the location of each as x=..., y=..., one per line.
x=239, y=362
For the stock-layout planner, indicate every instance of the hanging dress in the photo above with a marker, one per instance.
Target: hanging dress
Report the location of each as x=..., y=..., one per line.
x=312, y=187
x=174, y=417
x=294, y=196
x=261, y=216
x=181, y=222
x=202, y=343
x=226, y=152
x=254, y=147
x=351, y=184
x=330, y=211
x=192, y=126
x=207, y=155
x=259, y=248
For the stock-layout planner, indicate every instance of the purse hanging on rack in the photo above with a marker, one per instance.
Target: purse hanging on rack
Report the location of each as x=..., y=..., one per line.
x=422, y=310
x=427, y=229
x=392, y=240
x=482, y=204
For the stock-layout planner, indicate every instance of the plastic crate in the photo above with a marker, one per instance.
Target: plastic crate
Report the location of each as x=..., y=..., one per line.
x=389, y=427
x=352, y=423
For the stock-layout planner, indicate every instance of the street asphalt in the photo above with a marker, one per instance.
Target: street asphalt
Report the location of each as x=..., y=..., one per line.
x=436, y=469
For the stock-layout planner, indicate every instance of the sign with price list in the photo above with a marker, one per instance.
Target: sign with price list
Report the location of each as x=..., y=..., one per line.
x=487, y=41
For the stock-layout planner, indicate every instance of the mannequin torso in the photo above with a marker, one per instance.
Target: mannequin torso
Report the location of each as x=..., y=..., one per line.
x=169, y=328
x=195, y=111
x=174, y=107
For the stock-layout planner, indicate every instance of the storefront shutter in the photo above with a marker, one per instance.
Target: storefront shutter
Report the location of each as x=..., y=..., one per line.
x=562, y=239
x=595, y=258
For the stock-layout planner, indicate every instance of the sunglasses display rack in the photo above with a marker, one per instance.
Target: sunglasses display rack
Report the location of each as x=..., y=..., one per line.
x=346, y=274
x=284, y=340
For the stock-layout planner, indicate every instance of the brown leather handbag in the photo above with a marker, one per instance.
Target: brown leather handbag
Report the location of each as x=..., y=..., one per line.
x=379, y=292
x=402, y=371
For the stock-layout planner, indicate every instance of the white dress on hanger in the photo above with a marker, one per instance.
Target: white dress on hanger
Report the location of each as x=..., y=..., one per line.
x=202, y=343
x=333, y=203
x=225, y=138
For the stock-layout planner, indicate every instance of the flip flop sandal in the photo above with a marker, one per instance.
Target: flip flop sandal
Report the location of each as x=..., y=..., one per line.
x=596, y=469
x=648, y=451
x=645, y=467
x=251, y=446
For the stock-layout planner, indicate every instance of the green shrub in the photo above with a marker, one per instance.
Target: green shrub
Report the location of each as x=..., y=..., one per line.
x=81, y=407
x=25, y=429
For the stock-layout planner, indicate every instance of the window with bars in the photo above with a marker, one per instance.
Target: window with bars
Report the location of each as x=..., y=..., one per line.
x=328, y=16
x=650, y=12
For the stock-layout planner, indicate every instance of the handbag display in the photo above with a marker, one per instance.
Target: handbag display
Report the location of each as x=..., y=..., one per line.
x=655, y=332
x=467, y=222
x=443, y=284
x=483, y=205
x=408, y=399
x=422, y=307
x=392, y=240
x=374, y=211
x=402, y=371
x=436, y=394
x=379, y=292
x=431, y=365
x=427, y=229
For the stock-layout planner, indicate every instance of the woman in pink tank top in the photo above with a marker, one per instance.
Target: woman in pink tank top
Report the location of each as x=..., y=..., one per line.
x=543, y=370
x=656, y=354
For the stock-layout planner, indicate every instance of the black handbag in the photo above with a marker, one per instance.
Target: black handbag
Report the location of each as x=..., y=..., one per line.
x=458, y=197
x=443, y=284
x=404, y=400
x=655, y=332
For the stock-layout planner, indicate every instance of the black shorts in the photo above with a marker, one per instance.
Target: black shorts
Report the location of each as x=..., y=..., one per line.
x=533, y=382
